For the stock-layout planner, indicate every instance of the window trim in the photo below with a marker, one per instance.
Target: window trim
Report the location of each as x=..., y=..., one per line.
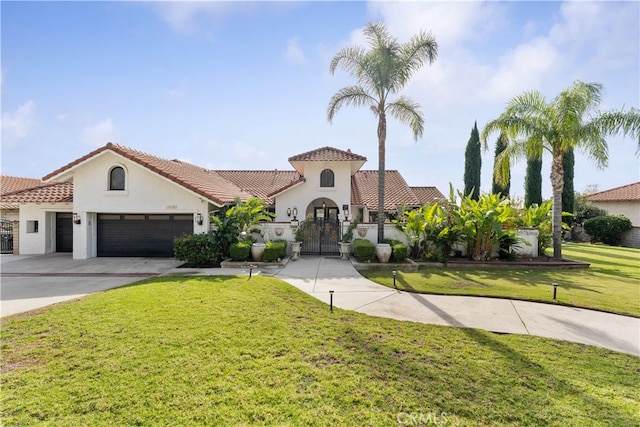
x=333, y=178
x=110, y=178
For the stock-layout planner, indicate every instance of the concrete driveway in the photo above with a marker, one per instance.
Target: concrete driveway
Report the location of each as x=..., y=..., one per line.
x=28, y=282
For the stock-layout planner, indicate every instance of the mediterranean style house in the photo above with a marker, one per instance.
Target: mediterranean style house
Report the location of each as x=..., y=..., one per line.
x=117, y=201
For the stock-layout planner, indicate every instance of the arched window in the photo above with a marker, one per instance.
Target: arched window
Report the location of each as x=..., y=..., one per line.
x=326, y=178
x=116, y=178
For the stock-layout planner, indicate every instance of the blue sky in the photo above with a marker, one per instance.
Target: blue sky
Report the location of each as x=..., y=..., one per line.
x=245, y=85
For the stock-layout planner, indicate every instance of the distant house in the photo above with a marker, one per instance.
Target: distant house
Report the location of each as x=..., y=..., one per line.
x=624, y=200
x=117, y=201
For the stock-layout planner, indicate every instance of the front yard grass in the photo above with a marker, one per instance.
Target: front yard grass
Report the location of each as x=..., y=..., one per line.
x=232, y=351
x=611, y=283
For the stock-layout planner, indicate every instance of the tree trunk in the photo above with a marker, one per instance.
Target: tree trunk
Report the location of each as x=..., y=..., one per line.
x=557, y=182
x=382, y=137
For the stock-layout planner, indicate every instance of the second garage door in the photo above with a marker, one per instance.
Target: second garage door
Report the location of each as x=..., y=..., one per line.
x=141, y=235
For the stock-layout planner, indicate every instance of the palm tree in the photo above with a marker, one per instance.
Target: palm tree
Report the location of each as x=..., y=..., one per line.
x=569, y=121
x=382, y=71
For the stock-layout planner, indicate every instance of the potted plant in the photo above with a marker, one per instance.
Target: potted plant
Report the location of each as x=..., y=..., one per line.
x=248, y=215
x=296, y=245
x=347, y=237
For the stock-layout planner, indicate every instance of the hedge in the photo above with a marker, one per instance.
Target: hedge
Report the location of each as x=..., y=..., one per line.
x=198, y=250
x=241, y=251
x=364, y=250
x=275, y=250
x=607, y=229
x=399, y=252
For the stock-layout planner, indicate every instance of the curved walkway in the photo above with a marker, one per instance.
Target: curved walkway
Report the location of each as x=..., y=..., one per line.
x=317, y=276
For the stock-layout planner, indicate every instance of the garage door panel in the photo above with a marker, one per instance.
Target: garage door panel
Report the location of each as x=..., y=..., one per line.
x=140, y=235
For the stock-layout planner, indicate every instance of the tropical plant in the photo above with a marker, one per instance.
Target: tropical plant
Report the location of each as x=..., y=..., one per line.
x=571, y=120
x=497, y=188
x=538, y=216
x=382, y=71
x=250, y=213
x=473, y=164
x=482, y=223
x=412, y=223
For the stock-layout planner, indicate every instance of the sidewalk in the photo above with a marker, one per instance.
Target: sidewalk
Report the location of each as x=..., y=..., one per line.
x=317, y=276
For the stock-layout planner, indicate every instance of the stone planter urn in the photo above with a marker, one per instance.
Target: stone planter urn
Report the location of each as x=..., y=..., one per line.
x=383, y=252
x=257, y=251
x=345, y=250
x=295, y=250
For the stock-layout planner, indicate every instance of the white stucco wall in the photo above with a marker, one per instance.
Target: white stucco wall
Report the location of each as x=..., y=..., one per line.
x=301, y=196
x=145, y=192
x=629, y=209
x=44, y=240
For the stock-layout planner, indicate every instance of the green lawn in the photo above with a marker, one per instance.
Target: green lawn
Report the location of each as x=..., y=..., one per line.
x=228, y=351
x=612, y=283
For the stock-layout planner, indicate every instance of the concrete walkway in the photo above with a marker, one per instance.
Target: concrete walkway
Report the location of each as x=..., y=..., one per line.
x=317, y=276
x=37, y=281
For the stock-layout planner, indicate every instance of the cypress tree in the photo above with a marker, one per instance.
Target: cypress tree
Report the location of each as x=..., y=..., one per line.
x=473, y=164
x=496, y=188
x=568, y=192
x=533, y=182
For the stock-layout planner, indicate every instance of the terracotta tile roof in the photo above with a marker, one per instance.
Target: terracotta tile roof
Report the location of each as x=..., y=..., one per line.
x=11, y=184
x=427, y=194
x=262, y=184
x=619, y=194
x=207, y=183
x=364, y=190
x=327, y=154
x=53, y=192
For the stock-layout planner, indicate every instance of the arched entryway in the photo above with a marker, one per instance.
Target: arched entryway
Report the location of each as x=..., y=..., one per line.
x=321, y=228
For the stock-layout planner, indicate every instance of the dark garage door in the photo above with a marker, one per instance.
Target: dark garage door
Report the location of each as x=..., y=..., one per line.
x=64, y=232
x=140, y=234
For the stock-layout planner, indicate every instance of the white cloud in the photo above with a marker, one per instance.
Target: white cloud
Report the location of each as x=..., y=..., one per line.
x=293, y=53
x=16, y=125
x=100, y=133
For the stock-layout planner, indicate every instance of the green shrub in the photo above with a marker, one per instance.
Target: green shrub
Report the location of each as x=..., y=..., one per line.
x=364, y=250
x=240, y=251
x=274, y=250
x=607, y=229
x=399, y=251
x=197, y=250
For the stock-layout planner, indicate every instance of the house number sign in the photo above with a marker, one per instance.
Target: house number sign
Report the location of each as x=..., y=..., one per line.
x=172, y=206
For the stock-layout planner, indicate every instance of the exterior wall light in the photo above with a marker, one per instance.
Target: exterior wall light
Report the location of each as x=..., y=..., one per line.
x=288, y=211
x=199, y=219
x=295, y=213
x=76, y=218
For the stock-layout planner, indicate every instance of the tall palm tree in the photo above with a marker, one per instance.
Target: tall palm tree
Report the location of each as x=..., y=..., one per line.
x=382, y=71
x=569, y=121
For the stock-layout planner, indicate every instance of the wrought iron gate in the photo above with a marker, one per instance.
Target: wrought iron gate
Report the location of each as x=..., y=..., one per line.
x=6, y=237
x=321, y=237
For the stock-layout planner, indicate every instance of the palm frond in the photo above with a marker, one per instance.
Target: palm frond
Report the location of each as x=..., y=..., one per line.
x=349, y=59
x=355, y=96
x=420, y=49
x=408, y=111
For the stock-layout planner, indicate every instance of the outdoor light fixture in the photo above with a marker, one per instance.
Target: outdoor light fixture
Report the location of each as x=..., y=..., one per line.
x=345, y=209
x=199, y=219
x=394, y=278
x=288, y=211
x=295, y=213
x=324, y=205
x=76, y=218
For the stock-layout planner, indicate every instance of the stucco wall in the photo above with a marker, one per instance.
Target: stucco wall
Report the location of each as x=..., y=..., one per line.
x=629, y=209
x=145, y=192
x=304, y=194
x=44, y=240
